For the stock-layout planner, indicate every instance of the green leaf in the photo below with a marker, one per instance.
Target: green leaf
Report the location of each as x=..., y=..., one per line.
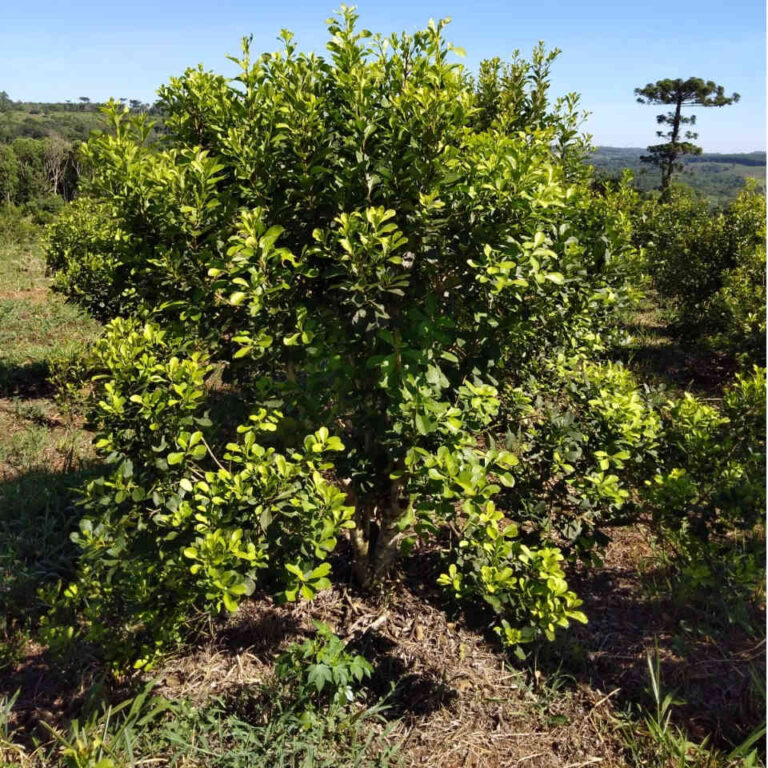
x=307, y=592
x=423, y=424
x=229, y=602
x=295, y=570
x=198, y=452
x=322, y=570
x=318, y=675
x=267, y=240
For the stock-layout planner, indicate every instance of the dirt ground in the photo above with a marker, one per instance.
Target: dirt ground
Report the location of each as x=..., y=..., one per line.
x=458, y=701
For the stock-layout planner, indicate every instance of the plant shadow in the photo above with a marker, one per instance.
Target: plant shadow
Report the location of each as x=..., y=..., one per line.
x=712, y=666
x=27, y=380
x=38, y=513
x=406, y=692
x=678, y=366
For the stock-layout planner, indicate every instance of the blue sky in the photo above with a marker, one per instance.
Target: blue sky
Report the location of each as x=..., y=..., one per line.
x=55, y=50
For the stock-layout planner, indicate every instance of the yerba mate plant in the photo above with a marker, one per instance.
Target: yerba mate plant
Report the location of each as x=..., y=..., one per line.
x=372, y=249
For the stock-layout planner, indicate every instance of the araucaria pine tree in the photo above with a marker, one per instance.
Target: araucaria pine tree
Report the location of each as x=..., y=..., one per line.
x=693, y=92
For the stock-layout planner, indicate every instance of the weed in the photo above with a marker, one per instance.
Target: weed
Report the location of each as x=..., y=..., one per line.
x=652, y=740
x=321, y=670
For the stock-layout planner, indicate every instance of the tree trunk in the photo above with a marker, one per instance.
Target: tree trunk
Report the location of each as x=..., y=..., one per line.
x=376, y=537
x=669, y=163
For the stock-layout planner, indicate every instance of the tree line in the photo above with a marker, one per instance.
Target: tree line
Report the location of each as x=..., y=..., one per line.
x=82, y=104
x=40, y=164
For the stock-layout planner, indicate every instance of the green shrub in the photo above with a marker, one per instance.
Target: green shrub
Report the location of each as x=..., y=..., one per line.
x=711, y=266
x=84, y=238
x=738, y=309
x=322, y=672
x=169, y=530
x=379, y=246
x=585, y=434
x=708, y=497
x=16, y=228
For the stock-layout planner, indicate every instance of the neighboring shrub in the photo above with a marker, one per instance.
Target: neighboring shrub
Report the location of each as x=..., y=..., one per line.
x=708, y=498
x=383, y=249
x=579, y=437
x=715, y=459
x=81, y=261
x=711, y=266
x=585, y=434
x=738, y=309
x=16, y=228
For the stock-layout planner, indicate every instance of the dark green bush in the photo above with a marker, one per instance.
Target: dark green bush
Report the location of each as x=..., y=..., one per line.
x=711, y=267
x=708, y=496
x=16, y=228
x=385, y=249
x=738, y=309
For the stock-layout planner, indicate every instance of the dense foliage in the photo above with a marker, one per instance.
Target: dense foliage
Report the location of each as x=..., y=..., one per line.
x=711, y=267
x=37, y=175
x=707, y=498
x=40, y=163
x=360, y=297
x=211, y=532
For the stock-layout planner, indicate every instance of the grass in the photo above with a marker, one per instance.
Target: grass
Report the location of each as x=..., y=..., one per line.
x=216, y=735
x=38, y=329
x=44, y=450
x=663, y=361
x=654, y=741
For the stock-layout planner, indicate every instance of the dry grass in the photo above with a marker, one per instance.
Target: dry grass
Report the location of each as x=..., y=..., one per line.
x=457, y=702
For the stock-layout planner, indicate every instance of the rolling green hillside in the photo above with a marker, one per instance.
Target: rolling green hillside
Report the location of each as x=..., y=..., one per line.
x=67, y=120
x=718, y=177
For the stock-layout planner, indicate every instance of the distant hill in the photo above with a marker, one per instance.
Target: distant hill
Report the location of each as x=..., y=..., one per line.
x=67, y=120
x=39, y=165
x=43, y=121
x=719, y=177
